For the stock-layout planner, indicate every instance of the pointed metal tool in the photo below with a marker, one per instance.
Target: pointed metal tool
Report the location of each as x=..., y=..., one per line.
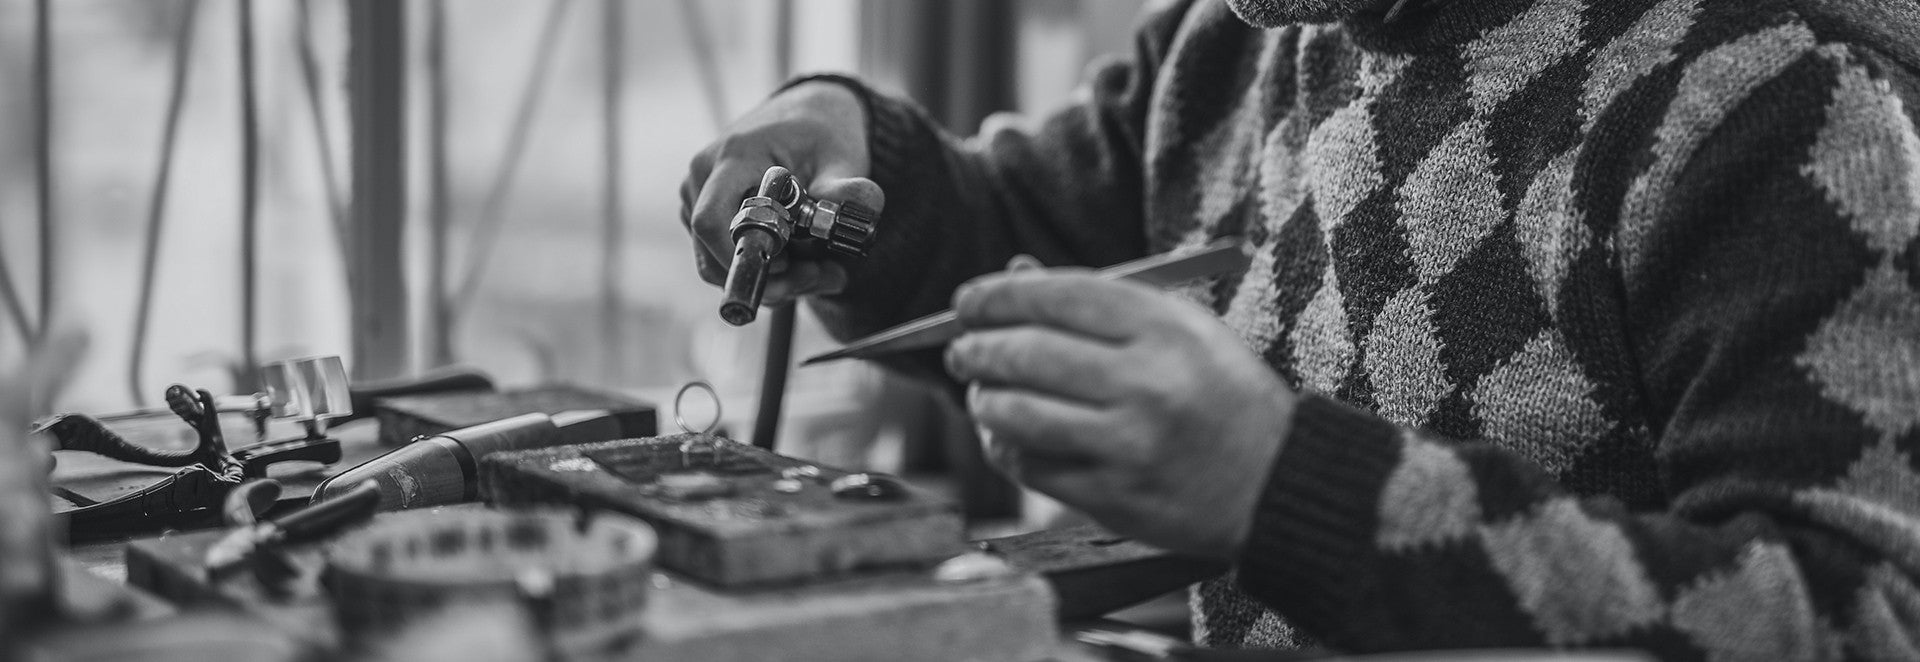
x=1224, y=256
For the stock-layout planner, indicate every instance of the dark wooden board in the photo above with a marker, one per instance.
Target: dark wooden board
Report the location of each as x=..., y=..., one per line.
x=1095, y=572
x=403, y=418
x=750, y=535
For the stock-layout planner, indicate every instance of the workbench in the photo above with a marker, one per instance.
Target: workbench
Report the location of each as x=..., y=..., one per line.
x=99, y=567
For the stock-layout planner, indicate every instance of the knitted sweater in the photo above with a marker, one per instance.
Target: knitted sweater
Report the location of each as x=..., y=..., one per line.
x=1605, y=314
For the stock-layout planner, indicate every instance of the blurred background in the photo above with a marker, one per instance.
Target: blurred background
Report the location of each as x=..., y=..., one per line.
x=204, y=185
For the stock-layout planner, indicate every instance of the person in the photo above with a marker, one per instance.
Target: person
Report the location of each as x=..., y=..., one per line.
x=1571, y=323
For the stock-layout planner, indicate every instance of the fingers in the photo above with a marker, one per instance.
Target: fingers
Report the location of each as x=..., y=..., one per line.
x=804, y=278
x=1075, y=301
x=1084, y=490
x=718, y=199
x=1038, y=359
x=1037, y=425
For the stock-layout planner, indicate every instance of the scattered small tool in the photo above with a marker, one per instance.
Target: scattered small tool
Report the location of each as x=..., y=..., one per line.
x=259, y=545
x=150, y=427
x=208, y=471
x=441, y=469
x=1225, y=256
x=311, y=391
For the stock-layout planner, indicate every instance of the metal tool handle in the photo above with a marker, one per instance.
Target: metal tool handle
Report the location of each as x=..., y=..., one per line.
x=328, y=517
x=248, y=502
x=777, y=212
x=747, y=278
x=1219, y=257
x=255, y=459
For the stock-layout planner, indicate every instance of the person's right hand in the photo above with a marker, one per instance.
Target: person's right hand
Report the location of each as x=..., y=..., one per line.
x=816, y=129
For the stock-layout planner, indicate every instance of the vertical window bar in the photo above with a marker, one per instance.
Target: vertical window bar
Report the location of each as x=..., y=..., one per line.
x=157, y=201
x=612, y=234
x=439, y=196
x=317, y=115
x=377, y=74
x=10, y=295
x=249, y=204
x=706, y=58
x=43, y=155
x=493, y=213
x=773, y=374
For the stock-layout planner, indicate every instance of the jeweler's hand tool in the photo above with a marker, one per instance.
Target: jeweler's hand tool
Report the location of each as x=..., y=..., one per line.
x=152, y=427
x=443, y=468
x=311, y=391
x=780, y=216
x=260, y=542
x=1225, y=256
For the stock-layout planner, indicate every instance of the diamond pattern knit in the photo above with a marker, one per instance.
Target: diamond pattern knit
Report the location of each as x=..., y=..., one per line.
x=1606, y=313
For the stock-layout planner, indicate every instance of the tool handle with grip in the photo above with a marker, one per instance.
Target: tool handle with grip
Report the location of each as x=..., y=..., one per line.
x=747, y=277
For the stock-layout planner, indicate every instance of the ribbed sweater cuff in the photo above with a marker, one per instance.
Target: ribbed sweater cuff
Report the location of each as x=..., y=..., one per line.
x=1314, y=528
x=908, y=161
x=896, y=133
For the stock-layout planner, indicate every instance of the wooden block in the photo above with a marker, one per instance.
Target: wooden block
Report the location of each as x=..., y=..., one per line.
x=751, y=534
x=402, y=418
x=88, y=596
x=1095, y=572
x=887, y=616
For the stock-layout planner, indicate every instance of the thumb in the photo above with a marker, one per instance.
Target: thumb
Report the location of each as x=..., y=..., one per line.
x=857, y=190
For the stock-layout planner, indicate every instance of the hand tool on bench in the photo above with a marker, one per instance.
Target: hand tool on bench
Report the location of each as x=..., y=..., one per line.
x=312, y=392
x=1221, y=257
x=158, y=427
x=256, y=542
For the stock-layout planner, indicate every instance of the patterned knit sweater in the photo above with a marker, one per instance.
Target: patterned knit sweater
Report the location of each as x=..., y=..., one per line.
x=1605, y=313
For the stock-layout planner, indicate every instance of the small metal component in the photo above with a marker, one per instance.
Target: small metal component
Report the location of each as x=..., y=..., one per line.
x=693, y=486
x=678, y=412
x=697, y=452
x=312, y=390
x=803, y=472
x=868, y=487
x=971, y=567
x=1141, y=643
x=575, y=465
x=847, y=228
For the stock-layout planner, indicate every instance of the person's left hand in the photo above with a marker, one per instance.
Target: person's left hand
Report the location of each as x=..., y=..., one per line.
x=1136, y=407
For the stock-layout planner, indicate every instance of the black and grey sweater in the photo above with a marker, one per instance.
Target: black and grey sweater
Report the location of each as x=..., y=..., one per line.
x=1606, y=313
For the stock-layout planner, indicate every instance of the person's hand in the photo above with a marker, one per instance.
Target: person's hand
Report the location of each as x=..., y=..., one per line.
x=816, y=129
x=1136, y=407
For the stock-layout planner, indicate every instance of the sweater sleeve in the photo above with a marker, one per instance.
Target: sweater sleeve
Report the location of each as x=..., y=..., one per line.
x=1066, y=188
x=1772, y=297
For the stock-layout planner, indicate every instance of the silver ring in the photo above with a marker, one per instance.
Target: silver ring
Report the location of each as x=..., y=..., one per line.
x=681, y=421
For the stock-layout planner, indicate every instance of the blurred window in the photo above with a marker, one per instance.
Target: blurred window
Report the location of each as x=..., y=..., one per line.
x=539, y=282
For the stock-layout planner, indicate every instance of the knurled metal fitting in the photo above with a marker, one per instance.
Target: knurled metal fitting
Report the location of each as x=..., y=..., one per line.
x=763, y=213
